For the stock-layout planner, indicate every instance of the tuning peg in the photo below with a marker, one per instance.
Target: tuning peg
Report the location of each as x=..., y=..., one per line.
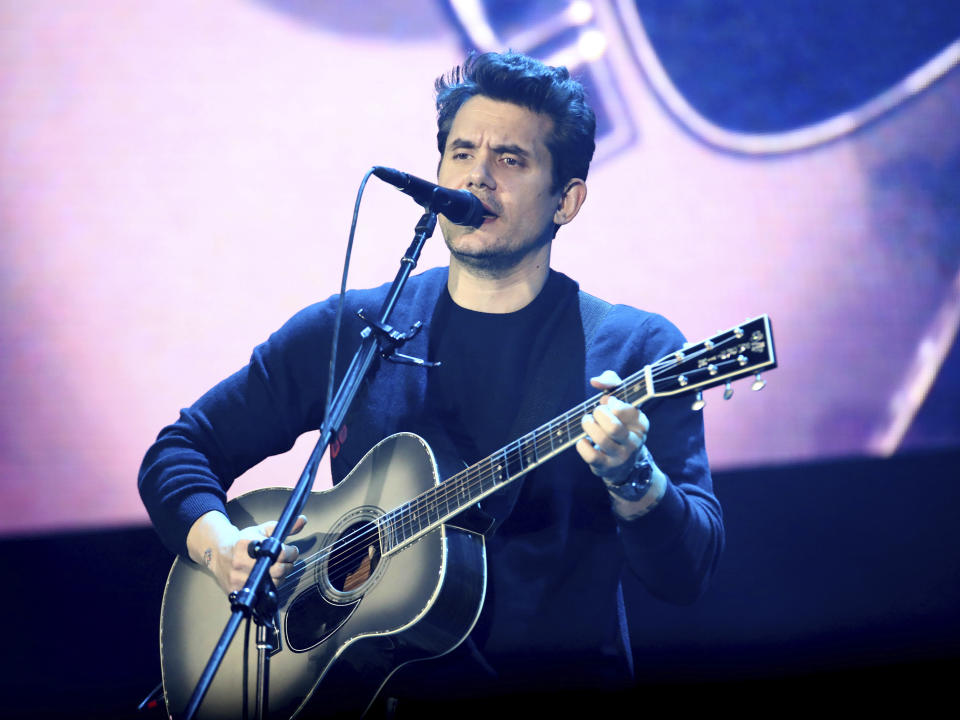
x=699, y=402
x=727, y=391
x=759, y=383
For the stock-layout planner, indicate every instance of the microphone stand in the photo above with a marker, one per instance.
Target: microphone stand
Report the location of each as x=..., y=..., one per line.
x=258, y=597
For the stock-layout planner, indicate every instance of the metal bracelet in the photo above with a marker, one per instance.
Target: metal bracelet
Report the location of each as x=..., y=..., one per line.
x=636, y=483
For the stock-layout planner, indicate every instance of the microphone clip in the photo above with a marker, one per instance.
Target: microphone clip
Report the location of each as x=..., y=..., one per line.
x=389, y=339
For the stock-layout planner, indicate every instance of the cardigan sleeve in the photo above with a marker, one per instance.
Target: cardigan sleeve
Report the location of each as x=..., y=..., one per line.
x=257, y=412
x=263, y=408
x=675, y=547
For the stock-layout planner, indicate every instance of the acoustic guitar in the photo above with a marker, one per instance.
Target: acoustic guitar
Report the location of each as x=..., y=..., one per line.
x=389, y=578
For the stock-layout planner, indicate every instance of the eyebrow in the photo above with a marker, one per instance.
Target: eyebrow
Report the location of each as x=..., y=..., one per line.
x=461, y=143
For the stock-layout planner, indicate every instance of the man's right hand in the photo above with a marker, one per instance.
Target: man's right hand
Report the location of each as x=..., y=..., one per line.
x=221, y=547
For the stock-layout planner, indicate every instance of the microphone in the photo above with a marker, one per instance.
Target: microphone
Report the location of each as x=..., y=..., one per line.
x=459, y=206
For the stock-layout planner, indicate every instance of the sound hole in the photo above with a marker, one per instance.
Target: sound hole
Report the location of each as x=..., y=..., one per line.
x=354, y=557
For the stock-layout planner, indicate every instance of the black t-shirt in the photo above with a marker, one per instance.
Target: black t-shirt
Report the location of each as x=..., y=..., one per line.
x=477, y=390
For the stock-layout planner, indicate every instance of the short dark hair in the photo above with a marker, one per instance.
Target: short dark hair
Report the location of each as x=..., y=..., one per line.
x=524, y=81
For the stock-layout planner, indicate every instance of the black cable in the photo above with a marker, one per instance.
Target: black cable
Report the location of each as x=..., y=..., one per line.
x=343, y=290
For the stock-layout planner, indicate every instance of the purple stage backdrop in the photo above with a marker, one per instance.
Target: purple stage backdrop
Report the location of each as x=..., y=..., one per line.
x=177, y=179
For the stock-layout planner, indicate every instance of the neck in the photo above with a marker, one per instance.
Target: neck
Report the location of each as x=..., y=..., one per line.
x=503, y=291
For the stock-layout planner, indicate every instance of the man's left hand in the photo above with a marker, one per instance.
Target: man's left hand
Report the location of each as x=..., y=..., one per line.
x=615, y=432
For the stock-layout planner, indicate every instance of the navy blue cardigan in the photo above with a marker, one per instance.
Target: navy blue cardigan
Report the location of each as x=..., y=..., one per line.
x=554, y=563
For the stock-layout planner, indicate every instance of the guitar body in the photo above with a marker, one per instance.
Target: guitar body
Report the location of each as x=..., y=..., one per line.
x=348, y=616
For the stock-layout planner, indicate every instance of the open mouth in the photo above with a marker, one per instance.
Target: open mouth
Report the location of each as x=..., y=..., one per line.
x=488, y=214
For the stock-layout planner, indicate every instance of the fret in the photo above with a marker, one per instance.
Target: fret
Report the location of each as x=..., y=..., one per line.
x=415, y=521
x=393, y=532
x=388, y=523
x=550, y=437
x=543, y=442
x=461, y=490
x=513, y=459
x=500, y=470
x=438, y=506
x=396, y=522
x=505, y=465
x=635, y=387
x=528, y=450
x=560, y=434
x=384, y=530
x=400, y=525
x=446, y=502
x=571, y=425
x=490, y=473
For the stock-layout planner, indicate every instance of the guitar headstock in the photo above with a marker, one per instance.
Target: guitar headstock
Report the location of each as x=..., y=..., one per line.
x=745, y=349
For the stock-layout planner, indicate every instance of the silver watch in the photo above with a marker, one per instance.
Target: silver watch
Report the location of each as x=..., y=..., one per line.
x=635, y=484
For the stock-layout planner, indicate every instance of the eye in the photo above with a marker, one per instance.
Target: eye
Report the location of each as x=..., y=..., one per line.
x=511, y=161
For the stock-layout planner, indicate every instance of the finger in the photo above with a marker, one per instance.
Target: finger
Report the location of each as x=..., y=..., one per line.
x=279, y=570
x=590, y=455
x=298, y=524
x=600, y=463
x=625, y=424
x=602, y=443
x=268, y=528
x=241, y=550
x=238, y=577
x=288, y=554
x=607, y=451
x=609, y=435
x=618, y=407
x=630, y=415
x=612, y=425
x=606, y=379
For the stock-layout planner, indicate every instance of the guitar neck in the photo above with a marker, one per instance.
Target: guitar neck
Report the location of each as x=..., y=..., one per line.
x=428, y=510
x=740, y=351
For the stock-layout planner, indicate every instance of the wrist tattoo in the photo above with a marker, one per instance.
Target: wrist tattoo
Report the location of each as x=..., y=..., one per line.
x=208, y=557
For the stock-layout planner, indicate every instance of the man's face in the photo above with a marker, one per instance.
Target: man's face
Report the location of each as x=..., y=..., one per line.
x=496, y=150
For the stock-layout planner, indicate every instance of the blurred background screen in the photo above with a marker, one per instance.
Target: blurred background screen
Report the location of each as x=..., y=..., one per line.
x=177, y=179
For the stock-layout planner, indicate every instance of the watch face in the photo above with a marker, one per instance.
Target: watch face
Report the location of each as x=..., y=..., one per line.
x=642, y=472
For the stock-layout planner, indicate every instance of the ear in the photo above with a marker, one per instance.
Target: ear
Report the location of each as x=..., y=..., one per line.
x=571, y=198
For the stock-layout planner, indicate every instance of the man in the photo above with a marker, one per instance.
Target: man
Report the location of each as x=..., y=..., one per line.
x=517, y=348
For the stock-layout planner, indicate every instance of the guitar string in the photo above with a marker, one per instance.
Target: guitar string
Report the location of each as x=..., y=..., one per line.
x=356, y=545
x=535, y=444
x=463, y=482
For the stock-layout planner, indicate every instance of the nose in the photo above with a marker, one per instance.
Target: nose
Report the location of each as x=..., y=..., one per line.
x=480, y=175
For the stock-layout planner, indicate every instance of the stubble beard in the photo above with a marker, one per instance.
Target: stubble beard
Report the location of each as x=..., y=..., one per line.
x=495, y=262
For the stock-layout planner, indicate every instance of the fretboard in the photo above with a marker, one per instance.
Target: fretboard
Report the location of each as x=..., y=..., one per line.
x=740, y=351
x=404, y=524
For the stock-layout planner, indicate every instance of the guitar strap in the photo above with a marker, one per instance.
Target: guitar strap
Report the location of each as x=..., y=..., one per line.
x=553, y=383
